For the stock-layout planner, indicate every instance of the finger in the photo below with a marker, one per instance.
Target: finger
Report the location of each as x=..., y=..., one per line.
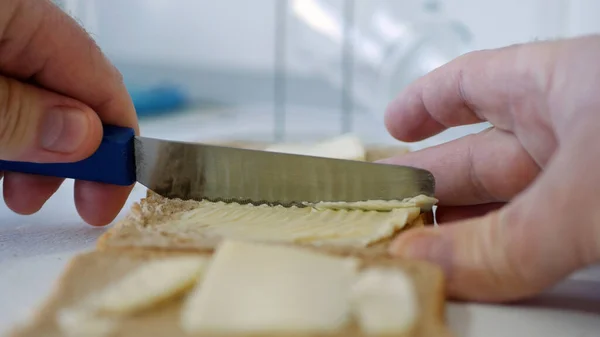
x=39, y=42
x=40, y=126
x=98, y=204
x=545, y=234
x=478, y=86
x=450, y=214
x=26, y=194
x=487, y=167
x=91, y=209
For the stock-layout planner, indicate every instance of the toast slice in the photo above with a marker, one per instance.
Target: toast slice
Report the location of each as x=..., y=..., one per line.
x=158, y=223
x=147, y=225
x=90, y=272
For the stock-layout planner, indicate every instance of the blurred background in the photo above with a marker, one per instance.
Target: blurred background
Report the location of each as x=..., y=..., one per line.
x=301, y=70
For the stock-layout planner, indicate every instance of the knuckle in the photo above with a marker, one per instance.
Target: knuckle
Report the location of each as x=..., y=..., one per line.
x=510, y=269
x=479, y=188
x=118, y=75
x=12, y=104
x=519, y=269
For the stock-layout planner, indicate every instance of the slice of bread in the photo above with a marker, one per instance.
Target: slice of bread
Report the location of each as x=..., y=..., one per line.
x=152, y=224
x=90, y=272
x=137, y=230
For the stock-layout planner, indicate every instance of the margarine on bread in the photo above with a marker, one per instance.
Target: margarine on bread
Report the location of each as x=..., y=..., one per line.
x=98, y=314
x=261, y=289
x=160, y=223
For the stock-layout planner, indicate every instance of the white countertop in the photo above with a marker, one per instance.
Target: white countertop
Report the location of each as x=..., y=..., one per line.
x=34, y=250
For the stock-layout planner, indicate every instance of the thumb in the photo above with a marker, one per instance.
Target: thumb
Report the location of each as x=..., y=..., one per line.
x=37, y=125
x=481, y=260
x=542, y=236
x=489, y=259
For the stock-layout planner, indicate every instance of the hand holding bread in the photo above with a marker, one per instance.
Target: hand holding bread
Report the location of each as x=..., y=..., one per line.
x=517, y=202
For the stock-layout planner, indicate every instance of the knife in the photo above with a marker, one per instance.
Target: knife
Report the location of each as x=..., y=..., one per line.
x=219, y=173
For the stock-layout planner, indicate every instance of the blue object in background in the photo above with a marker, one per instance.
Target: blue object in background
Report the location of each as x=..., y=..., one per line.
x=157, y=100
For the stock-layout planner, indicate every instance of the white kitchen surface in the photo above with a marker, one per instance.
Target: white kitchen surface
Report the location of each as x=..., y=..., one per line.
x=35, y=249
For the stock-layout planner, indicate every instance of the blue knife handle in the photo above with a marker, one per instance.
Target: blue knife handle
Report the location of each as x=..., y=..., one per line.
x=112, y=163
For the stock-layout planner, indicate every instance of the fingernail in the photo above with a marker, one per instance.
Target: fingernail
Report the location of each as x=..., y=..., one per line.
x=64, y=130
x=427, y=246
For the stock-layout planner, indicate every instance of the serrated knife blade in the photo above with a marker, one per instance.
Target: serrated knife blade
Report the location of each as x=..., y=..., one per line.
x=200, y=171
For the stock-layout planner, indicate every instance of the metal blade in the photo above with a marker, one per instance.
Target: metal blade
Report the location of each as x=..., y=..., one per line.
x=199, y=171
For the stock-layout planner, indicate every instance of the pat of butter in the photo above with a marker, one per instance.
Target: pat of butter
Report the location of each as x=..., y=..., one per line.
x=306, y=225
x=258, y=288
x=346, y=146
x=422, y=202
x=145, y=286
x=148, y=284
x=384, y=301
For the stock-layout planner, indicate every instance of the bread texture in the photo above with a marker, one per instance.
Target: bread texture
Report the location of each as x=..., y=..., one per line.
x=89, y=272
x=141, y=229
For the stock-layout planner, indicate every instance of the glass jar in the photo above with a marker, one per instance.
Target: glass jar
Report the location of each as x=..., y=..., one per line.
x=385, y=45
